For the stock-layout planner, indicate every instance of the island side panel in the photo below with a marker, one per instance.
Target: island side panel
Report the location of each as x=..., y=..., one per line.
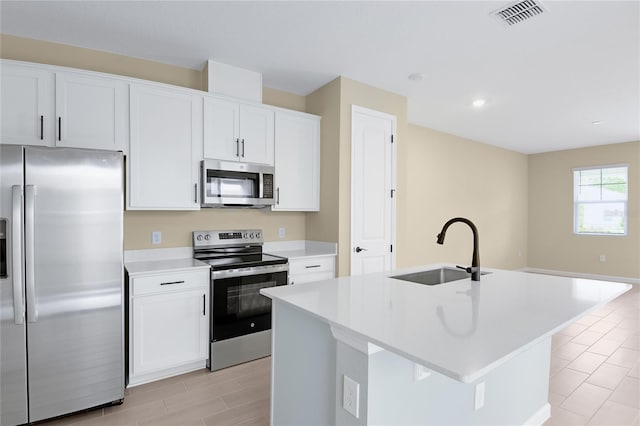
x=303, y=368
x=516, y=392
x=354, y=364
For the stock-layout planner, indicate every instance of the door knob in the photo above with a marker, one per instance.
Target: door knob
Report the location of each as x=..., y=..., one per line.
x=359, y=249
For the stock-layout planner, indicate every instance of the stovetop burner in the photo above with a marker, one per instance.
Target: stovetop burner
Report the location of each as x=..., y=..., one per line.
x=232, y=249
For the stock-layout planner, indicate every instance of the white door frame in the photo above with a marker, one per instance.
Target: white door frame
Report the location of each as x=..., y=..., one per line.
x=358, y=109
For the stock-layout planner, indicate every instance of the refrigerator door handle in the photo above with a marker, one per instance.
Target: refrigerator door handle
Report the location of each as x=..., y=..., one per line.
x=16, y=255
x=30, y=193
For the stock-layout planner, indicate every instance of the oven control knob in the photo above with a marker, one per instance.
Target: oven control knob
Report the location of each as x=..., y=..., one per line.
x=253, y=324
x=245, y=236
x=207, y=237
x=251, y=235
x=199, y=238
x=257, y=235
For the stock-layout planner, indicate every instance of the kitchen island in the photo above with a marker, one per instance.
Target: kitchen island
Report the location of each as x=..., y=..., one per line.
x=398, y=353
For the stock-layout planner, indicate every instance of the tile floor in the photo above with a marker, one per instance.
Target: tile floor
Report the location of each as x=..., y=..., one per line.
x=595, y=362
x=594, y=380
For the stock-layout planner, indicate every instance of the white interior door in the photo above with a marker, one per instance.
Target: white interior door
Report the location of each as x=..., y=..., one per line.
x=372, y=191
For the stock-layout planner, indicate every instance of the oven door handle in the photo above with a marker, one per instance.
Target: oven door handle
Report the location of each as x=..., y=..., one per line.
x=245, y=272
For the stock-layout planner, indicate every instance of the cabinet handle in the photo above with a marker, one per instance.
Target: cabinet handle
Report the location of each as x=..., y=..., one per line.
x=195, y=193
x=42, y=127
x=204, y=303
x=278, y=196
x=242, y=148
x=237, y=147
x=59, y=128
x=312, y=266
x=172, y=282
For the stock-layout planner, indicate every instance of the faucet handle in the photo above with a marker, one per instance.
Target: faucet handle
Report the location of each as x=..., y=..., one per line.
x=467, y=269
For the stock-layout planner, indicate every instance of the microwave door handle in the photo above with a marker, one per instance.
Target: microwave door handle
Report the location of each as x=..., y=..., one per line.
x=16, y=255
x=260, y=185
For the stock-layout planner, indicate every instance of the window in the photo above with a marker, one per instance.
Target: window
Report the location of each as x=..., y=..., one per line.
x=600, y=200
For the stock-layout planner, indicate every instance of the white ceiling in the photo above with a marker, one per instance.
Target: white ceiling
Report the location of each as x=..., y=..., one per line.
x=546, y=79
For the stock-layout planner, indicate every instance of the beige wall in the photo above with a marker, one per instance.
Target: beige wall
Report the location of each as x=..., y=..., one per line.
x=323, y=225
x=552, y=243
x=44, y=52
x=447, y=176
x=176, y=227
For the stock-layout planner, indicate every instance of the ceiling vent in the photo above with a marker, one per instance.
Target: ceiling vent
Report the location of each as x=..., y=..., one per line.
x=519, y=12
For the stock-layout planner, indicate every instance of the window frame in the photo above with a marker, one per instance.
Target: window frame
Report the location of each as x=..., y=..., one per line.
x=576, y=203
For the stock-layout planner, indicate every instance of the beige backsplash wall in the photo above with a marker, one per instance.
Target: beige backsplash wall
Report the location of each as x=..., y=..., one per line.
x=552, y=243
x=176, y=227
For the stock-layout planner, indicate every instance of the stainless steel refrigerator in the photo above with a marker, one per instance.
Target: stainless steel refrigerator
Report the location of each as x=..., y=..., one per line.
x=61, y=281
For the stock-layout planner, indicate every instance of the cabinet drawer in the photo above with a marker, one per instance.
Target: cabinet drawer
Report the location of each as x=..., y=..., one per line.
x=310, y=277
x=177, y=281
x=311, y=265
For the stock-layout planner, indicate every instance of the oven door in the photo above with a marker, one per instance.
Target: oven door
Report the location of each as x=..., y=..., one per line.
x=237, y=307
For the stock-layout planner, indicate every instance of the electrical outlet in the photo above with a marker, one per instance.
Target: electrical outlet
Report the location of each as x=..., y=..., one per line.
x=281, y=232
x=351, y=396
x=479, y=399
x=420, y=372
x=603, y=258
x=156, y=237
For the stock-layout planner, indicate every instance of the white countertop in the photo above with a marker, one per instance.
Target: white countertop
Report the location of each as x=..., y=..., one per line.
x=300, y=248
x=462, y=329
x=163, y=266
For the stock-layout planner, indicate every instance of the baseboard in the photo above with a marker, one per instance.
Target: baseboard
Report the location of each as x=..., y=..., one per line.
x=617, y=279
x=539, y=417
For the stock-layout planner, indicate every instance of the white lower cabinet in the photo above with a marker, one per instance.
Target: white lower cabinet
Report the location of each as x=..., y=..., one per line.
x=311, y=268
x=168, y=324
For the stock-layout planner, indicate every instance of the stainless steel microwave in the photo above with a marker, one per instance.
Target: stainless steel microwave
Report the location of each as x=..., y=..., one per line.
x=233, y=184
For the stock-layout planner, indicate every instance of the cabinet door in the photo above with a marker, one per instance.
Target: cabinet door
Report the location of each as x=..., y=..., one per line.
x=297, y=162
x=27, y=106
x=166, y=141
x=221, y=141
x=256, y=134
x=91, y=112
x=169, y=330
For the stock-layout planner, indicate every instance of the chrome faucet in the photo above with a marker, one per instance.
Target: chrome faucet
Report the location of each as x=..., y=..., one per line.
x=474, y=270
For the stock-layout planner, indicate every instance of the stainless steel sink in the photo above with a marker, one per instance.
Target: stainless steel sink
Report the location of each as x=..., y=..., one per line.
x=435, y=276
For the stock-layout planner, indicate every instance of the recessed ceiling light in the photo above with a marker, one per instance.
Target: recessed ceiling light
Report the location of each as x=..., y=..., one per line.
x=416, y=76
x=479, y=103
x=596, y=123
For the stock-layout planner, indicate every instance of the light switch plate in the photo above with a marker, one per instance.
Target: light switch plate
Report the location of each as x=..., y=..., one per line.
x=156, y=237
x=281, y=232
x=351, y=396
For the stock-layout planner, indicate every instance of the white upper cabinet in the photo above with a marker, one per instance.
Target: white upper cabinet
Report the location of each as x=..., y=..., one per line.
x=235, y=131
x=297, y=161
x=48, y=107
x=92, y=112
x=28, y=106
x=166, y=148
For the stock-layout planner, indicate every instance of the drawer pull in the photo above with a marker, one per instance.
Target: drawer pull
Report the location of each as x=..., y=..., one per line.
x=312, y=266
x=172, y=282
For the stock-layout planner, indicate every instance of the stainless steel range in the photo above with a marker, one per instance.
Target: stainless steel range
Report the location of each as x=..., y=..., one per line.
x=240, y=328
